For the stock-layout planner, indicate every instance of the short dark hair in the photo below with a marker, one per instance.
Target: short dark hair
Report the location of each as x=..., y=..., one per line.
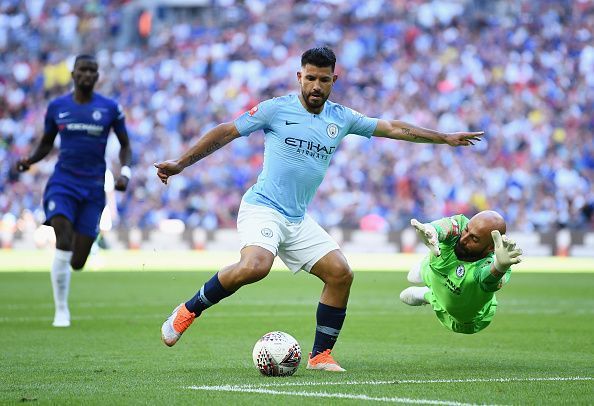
x=84, y=57
x=320, y=57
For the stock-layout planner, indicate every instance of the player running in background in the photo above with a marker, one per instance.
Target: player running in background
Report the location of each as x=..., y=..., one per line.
x=469, y=261
x=74, y=196
x=302, y=133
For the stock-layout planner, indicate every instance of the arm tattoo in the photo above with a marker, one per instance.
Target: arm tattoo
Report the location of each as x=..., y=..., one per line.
x=209, y=150
x=408, y=132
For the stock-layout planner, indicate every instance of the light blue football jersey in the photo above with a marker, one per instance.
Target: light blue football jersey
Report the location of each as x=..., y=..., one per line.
x=298, y=148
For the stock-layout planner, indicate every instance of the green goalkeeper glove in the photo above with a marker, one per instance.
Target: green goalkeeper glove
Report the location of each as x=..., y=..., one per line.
x=428, y=234
x=506, y=252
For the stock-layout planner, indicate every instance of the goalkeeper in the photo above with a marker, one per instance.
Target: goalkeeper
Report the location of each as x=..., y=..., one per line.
x=469, y=261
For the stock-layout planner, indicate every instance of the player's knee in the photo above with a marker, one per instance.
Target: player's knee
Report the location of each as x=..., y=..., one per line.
x=253, y=269
x=78, y=263
x=348, y=277
x=342, y=276
x=63, y=239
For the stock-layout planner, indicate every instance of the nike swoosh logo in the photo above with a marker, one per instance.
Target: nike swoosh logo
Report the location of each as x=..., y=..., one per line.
x=62, y=115
x=289, y=122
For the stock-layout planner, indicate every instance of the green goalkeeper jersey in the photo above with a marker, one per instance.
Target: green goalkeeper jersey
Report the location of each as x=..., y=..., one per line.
x=465, y=290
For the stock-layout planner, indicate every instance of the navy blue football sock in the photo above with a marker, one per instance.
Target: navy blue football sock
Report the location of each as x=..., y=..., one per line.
x=329, y=322
x=212, y=292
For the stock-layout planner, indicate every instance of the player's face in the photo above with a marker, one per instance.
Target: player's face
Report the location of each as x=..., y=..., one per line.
x=316, y=85
x=475, y=242
x=85, y=74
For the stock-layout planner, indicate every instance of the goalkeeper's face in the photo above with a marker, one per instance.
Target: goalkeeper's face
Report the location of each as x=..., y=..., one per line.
x=475, y=242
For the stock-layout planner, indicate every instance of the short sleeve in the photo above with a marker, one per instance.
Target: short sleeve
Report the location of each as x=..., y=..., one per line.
x=50, y=126
x=360, y=124
x=258, y=118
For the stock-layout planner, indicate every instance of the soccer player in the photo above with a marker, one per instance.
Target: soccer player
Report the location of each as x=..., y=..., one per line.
x=74, y=196
x=302, y=133
x=469, y=261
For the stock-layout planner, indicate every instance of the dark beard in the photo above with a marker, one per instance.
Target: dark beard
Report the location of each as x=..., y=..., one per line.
x=312, y=106
x=465, y=256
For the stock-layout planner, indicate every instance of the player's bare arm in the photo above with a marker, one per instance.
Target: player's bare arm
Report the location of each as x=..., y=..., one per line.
x=125, y=156
x=45, y=146
x=213, y=140
x=400, y=130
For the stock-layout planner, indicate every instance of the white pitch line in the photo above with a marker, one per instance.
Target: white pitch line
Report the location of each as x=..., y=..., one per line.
x=414, y=381
x=261, y=388
x=243, y=389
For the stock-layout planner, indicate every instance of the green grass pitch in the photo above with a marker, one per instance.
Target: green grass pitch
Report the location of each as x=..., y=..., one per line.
x=538, y=350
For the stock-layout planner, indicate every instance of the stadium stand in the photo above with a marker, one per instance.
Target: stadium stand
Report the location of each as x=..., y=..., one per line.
x=523, y=71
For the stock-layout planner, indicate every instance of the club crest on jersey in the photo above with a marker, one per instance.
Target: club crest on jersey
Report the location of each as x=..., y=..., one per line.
x=253, y=110
x=460, y=271
x=51, y=205
x=332, y=130
x=266, y=232
x=96, y=115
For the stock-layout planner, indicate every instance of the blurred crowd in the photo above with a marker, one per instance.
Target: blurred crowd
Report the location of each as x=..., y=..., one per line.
x=521, y=71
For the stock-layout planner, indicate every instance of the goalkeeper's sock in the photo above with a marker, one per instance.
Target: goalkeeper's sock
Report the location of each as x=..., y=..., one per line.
x=212, y=292
x=329, y=322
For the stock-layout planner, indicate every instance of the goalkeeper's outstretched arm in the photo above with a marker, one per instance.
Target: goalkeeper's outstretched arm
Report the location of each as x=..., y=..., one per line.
x=428, y=234
x=446, y=227
x=437, y=231
x=506, y=254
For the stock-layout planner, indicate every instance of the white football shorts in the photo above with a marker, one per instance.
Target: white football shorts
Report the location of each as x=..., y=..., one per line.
x=298, y=245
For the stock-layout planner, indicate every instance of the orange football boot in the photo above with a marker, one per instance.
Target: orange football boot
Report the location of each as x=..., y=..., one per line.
x=324, y=362
x=176, y=324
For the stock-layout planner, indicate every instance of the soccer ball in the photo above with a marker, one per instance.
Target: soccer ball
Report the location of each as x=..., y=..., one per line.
x=277, y=354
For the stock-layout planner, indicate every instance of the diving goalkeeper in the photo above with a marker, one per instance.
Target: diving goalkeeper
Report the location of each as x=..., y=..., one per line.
x=469, y=261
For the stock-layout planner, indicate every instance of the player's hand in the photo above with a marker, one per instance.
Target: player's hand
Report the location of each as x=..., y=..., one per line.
x=23, y=165
x=121, y=183
x=506, y=252
x=428, y=234
x=463, y=138
x=166, y=169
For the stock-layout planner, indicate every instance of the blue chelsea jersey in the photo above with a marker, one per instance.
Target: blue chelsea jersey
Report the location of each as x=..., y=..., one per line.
x=298, y=148
x=83, y=130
